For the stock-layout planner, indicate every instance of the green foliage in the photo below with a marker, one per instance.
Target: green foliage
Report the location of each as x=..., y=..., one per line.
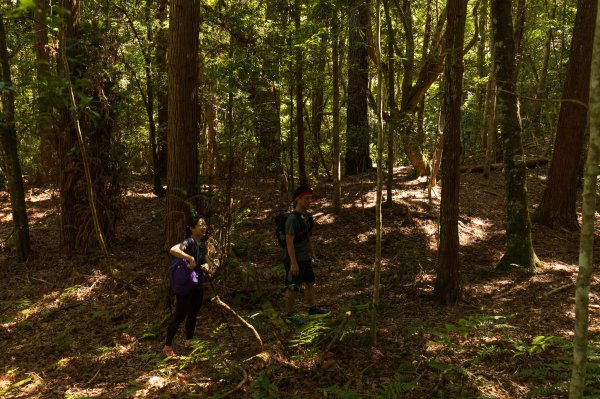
x=152, y=331
x=340, y=393
x=209, y=350
x=63, y=342
x=539, y=344
x=264, y=388
x=311, y=333
x=404, y=381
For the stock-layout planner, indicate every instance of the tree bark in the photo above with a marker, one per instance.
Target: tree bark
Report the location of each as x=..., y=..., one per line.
x=8, y=140
x=380, y=166
x=392, y=124
x=519, y=250
x=540, y=94
x=357, y=125
x=558, y=205
x=162, y=97
x=66, y=136
x=44, y=131
x=182, y=172
x=156, y=169
x=299, y=95
x=520, y=19
x=482, y=72
x=337, y=167
x=447, y=285
x=586, y=244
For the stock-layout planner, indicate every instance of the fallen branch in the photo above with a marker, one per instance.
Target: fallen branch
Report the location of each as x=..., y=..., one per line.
x=239, y=385
x=217, y=301
x=554, y=291
x=530, y=163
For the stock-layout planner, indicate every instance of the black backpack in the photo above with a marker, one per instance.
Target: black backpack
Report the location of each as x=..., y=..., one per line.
x=280, y=220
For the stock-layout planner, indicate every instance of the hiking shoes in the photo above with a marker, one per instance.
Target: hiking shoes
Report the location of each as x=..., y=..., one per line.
x=317, y=311
x=295, y=318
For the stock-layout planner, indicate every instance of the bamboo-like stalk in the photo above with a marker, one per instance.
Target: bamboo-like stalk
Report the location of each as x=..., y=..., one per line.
x=378, y=216
x=586, y=243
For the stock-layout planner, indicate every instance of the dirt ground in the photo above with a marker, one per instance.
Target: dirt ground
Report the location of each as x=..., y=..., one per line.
x=80, y=326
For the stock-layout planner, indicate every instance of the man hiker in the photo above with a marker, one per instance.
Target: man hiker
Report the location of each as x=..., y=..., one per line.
x=300, y=257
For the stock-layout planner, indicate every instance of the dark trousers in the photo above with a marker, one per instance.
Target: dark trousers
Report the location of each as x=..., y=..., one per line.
x=186, y=308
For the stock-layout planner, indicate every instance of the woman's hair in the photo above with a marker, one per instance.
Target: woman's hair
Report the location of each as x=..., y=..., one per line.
x=193, y=221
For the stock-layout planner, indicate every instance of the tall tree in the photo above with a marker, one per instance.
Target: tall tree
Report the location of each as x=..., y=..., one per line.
x=43, y=103
x=162, y=97
x=540, y=94
x=337, y=192
x=299, y=94
x=265, y=95
x=380, y=166
x=586, y=243
x=519, y=249
x=156, y=168
x=357, y=157
x=8, y=140
x=391, y=97
x=182, y=171
x=447, y=284
x=558, y=205
x=66, y=135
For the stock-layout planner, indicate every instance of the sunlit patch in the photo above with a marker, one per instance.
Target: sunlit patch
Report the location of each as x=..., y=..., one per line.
x=113, y=352
x=55, y=299
x=7, y=378
x=131, y=194
x=75, y=392
x=475, y=230
x=157, y=382
x=362, y=238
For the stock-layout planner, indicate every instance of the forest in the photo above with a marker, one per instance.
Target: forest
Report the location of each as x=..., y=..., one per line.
x=445, y=151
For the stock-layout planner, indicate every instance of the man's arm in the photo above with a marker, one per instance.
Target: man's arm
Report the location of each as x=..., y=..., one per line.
x=289, y=242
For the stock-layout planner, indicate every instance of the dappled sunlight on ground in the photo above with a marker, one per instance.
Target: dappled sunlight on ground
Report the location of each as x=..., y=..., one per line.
x=75, y=326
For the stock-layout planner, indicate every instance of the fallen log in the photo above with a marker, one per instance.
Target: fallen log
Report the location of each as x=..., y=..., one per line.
x=530, y=163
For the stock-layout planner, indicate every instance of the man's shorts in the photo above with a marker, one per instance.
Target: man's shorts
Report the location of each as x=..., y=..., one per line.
x=306, y=274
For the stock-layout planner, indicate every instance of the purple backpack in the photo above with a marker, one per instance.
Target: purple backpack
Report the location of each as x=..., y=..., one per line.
x=181, y=278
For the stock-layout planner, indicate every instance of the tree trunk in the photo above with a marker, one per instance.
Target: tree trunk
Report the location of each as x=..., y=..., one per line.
x=299, y=96
x=210, y=142
x=44, y=131
x=447, y=284
x=490, y=125
x=586, y=244
x=318, y=106
x=378, y=215
x=70, y=169
x=480, y=102
x=391, y=97
x=520, y=19
x=8, y=140
x=519, y=250
x=156, y=169
x=558, y=205
x=413, y=94
x=357, y=124
x=162, y=97
x=540, y=93
x=337, y=167
x=182, y=172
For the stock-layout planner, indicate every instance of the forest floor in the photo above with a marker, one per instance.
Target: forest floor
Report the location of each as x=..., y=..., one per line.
x=81, y=327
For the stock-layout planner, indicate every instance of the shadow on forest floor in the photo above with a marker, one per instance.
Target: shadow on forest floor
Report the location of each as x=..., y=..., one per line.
x=76, y=326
